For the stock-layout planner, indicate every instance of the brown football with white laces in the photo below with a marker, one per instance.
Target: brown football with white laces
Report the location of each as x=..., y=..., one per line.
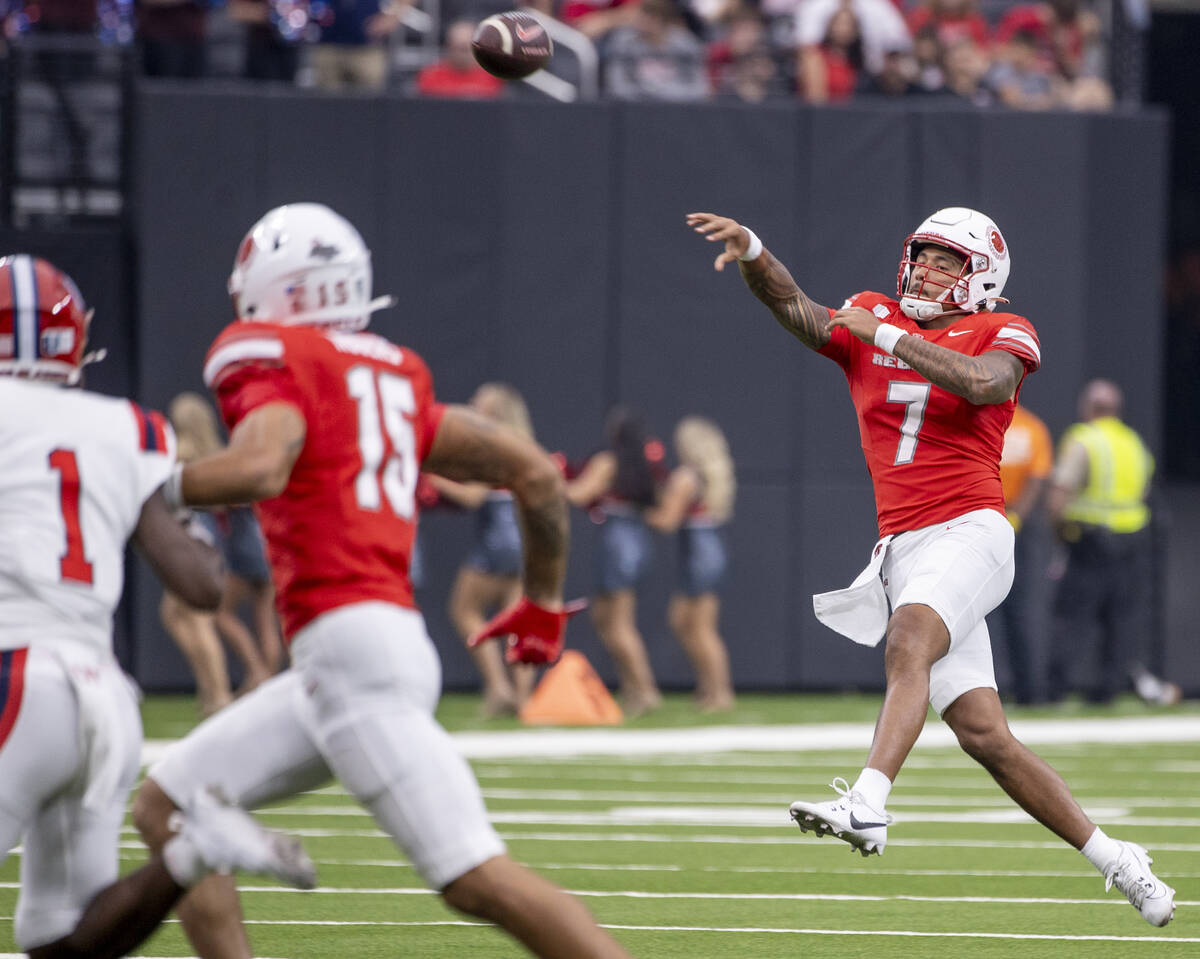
x=512, y=45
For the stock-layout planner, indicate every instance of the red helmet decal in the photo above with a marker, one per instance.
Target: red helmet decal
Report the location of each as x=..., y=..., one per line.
x=996, y=241
x=245, y=251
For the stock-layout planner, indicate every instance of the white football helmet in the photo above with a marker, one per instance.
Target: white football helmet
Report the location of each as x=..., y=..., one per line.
x=977, y=286
x=304, y=264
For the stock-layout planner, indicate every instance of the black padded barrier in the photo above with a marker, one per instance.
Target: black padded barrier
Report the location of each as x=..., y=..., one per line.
x=545, y=245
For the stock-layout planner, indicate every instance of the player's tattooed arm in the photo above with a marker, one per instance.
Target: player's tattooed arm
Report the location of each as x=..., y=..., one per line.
x=768, y=279
x=469, y=447
x=991, y=377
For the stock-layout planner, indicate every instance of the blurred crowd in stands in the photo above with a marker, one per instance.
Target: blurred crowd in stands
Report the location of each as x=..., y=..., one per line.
x=1055, y=54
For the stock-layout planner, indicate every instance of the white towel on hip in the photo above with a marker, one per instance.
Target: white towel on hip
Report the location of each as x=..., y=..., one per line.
x=860, y=611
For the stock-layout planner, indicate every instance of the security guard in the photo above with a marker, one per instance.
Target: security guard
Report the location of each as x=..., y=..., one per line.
x=1097, y=505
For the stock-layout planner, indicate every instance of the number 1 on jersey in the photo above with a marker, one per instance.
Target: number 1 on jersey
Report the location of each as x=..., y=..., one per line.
x=393, y=396
x=914, y=396
x=73, y=564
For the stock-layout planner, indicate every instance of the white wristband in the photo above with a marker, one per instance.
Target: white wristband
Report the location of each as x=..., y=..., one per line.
x=172, y=488
x=755, y=247
x=887, y=336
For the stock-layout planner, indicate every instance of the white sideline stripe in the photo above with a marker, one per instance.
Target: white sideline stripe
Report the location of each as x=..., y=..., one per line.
x=737, y=817
x=791, y=839
x=744, y=799
x=796, y=738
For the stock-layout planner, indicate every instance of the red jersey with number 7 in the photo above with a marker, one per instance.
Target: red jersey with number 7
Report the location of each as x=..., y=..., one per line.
x=342, y=531
x=932, y=455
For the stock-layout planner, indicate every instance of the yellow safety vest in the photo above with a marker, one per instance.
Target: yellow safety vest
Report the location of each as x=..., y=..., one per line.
x=1119, y=470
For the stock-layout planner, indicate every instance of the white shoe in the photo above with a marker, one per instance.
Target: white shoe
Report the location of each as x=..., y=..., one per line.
x=1149, y=895
x=847, y=817
x=225, y=837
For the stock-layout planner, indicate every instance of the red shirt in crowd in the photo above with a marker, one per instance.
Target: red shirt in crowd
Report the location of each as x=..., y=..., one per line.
x=949, y=29
x=840, y=75
x=443, y=80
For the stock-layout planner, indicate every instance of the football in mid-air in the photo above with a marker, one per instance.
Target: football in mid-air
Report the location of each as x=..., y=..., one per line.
x=512, y=45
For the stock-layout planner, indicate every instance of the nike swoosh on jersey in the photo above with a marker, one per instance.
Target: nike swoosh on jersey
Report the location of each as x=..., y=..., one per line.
x=856, y=823
x=960, y=332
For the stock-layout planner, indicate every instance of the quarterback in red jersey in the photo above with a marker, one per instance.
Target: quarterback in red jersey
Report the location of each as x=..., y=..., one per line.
x=934, y=375
x=330, y=426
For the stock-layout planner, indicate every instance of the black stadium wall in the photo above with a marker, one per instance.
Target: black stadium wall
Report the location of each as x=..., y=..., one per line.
x=545, y=245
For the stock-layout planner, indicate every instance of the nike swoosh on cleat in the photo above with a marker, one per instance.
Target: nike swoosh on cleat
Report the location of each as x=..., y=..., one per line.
x=856, y=823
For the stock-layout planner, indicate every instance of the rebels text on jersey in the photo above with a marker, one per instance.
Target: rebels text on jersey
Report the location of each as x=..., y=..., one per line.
x=76, y=469
x=342, y=531
x=932, y=455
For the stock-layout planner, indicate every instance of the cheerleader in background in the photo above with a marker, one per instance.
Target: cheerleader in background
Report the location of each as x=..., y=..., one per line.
x=194, y=631
x=617, y=485
x=696, y=503
x=490, y=577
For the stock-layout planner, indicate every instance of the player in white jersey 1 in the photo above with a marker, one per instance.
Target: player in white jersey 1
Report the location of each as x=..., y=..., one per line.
x=80, y=476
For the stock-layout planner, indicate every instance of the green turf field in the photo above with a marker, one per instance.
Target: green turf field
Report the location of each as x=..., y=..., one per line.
x=677, y=837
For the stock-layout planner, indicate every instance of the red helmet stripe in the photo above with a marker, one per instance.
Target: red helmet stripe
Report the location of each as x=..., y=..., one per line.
x=25, y=311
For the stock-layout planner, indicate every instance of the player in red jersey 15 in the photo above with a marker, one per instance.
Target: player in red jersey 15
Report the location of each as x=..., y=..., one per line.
x=934, y=375
x=330, y=426
x=81, y=475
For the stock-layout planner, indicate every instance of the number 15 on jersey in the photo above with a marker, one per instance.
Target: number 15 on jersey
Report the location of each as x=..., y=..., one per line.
x=385, y=404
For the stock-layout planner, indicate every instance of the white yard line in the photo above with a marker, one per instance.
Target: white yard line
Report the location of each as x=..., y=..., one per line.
x=398, y=862
x=705, y=896
x=734, y=930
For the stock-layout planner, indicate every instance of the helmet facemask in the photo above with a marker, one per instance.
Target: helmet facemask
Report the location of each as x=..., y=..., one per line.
x=935, y=288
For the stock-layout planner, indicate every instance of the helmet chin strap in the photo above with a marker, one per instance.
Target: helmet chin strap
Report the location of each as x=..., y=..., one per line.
x=919, y=310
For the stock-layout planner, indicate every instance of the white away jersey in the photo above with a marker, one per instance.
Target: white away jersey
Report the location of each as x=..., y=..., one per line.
x=75, y=470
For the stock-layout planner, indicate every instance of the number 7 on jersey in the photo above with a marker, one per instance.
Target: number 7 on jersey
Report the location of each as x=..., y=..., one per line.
x=915, y=397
